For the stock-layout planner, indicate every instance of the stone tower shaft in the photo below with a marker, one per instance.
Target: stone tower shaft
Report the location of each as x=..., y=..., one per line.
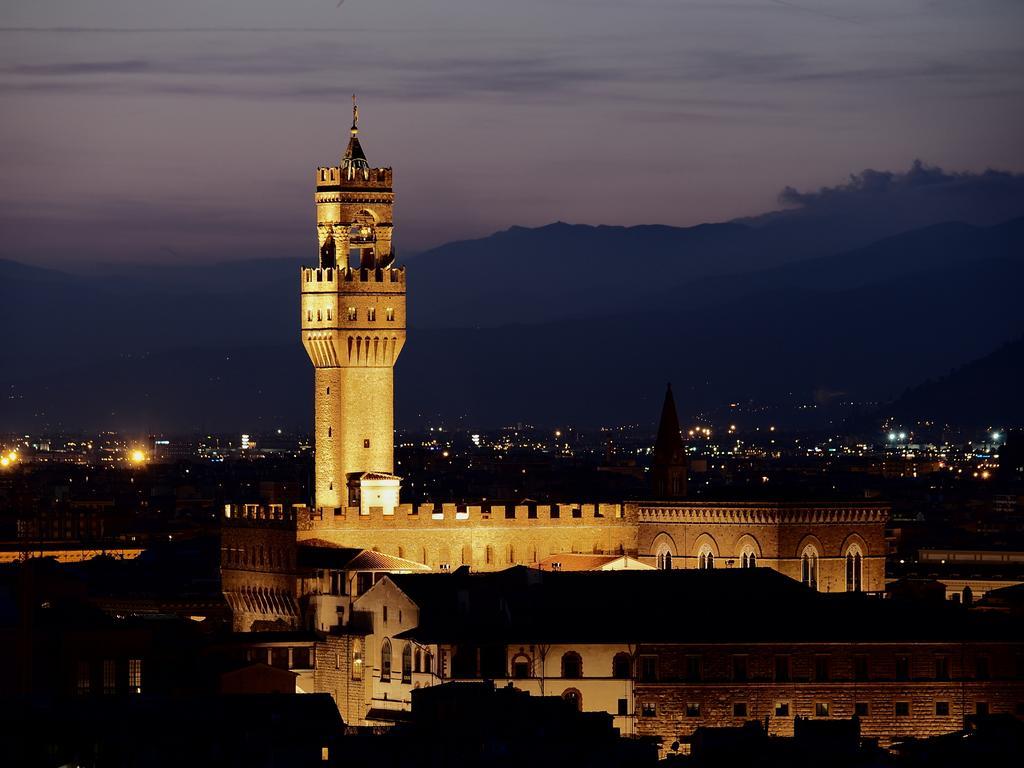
x=353, y=327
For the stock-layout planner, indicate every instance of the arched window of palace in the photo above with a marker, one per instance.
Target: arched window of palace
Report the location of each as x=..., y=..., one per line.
x=665, y=560
x=521, y=666
x=622, y=666
x=854, y=569
x=572, y=665
x=809, y=567
x=385, y=661
x=574, y=696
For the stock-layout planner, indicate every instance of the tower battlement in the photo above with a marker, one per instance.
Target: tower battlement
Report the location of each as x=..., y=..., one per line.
x=352, y=279
x=341, y=179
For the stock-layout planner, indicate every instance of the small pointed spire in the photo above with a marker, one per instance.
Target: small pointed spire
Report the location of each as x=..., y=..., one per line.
x=668, y=442
x=355, y=116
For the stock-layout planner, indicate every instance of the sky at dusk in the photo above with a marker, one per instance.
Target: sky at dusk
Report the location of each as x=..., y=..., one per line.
x=189, y=130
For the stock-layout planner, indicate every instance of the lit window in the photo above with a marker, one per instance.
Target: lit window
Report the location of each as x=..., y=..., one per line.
x=371, y=313
x=135, y=675
x=648, y=709
x=821, y=709
x=351, y=313
x=782, y=709
x=389, y=314
x=357, y=659
x=693, y=709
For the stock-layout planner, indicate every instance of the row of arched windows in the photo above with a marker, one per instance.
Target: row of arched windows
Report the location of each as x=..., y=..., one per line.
x=571, y=666
x=416, y=660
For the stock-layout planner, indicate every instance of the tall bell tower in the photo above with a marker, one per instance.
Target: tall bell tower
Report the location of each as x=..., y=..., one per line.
x=353, y=328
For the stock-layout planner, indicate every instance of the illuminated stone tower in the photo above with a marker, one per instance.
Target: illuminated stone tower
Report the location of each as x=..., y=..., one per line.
x=353, y=328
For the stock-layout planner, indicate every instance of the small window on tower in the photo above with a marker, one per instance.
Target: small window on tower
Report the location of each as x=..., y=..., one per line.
x=351, y=313
x=319, y=316
x=389, y=314
x=371, y=314
x=329, y=314
x=309, y=315
x=366, y=443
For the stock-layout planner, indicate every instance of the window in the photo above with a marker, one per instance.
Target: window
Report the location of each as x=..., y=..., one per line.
x=309, y=315
x=622, y=666
x=853, y=571
x=693, y=669
x=279, y=658
x=861, y=709
x=407, y=663
x=357, y=659
x=901, y=709
x=981, y=708
x=385, y=661
x=748, y=560
x=330, y=316
x=135, y=675
x=352, y=314
x=706, y=559
x=665, y=560
x=521, y=667
x=821, y=672
x=389, y=314
x=942, y=709
x=942, y=668
x=371, y=313
x=782, y=669
x=782, y=709
x=648, y=709
x=573, y=696
x=319, y=315
x=572, y=665
x=648, y=669
x=809, y=567
x=981, y=667
x=821, y=708
x=860, y=667
x=739, y=709
x=366, y=443
x=623, y=707
x=693, y=709
x=902, y=667
x=385, y=614
x=109, y=676
x=84, y=678
x=739, y=669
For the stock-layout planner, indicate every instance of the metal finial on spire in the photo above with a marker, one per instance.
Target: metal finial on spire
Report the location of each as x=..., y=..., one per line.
x=355, y=116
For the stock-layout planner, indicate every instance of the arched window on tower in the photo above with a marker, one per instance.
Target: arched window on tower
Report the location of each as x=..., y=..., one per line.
x=809, y=567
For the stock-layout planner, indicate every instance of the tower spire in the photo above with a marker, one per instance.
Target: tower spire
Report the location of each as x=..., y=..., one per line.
x=355, y=116
x=669, y=467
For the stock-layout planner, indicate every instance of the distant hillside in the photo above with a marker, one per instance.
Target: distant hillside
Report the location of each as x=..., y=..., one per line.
x=986, y=391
